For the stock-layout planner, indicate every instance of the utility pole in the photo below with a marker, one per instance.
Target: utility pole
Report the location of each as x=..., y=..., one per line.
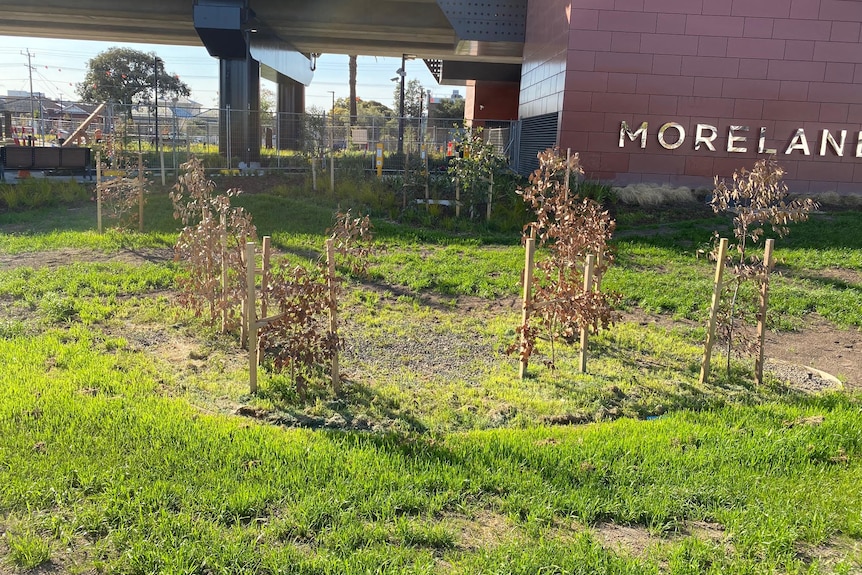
x=332, y=122
x=156, y=100
x=32, y=107
x=403, y=73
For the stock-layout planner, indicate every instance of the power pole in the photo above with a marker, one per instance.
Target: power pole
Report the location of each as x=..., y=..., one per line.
x=32, y=107
x=403, y=73
x=156, y=98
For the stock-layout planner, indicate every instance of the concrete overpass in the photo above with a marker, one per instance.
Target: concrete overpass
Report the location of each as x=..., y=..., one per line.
x=366, y=27
x=460, y=39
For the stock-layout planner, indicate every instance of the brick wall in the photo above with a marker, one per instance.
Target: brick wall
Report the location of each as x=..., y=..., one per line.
x=774, y=64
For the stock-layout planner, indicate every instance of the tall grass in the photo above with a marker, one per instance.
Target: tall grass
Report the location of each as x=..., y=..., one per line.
x=32, y=193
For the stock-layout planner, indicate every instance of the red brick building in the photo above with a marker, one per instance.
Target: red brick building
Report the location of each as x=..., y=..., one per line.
x=678, y=91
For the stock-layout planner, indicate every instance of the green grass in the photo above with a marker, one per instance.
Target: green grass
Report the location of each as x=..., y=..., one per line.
x=164, y=488
x=28, y=550
x=120, y=453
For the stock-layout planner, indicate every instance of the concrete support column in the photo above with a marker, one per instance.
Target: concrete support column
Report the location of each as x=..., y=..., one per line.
x=239, y=100
x=290, y=107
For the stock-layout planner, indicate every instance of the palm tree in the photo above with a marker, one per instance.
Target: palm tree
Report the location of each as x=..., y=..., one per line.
x=352, y=104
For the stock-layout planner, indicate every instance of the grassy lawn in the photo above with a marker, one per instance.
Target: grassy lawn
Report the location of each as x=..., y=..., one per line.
x=122, y=452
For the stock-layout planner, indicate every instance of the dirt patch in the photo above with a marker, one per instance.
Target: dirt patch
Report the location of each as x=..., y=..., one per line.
x=818, y=344
x=838, y=275
x=637, y=540
x=485, y=530
x=67, y=256
x=631, y=539
x=832, y=552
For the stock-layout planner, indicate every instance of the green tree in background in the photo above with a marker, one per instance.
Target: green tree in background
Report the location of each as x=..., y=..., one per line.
x=414, y=98
x=126, y=76
x=448, y=108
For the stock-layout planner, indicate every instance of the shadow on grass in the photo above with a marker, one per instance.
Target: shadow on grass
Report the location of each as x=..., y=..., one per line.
x=359, y=408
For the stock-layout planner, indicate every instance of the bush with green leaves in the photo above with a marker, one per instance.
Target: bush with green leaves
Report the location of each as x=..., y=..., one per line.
x=475, y=167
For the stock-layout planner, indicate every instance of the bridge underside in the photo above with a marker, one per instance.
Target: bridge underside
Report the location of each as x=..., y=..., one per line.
x=366, y=27
x=467, y=41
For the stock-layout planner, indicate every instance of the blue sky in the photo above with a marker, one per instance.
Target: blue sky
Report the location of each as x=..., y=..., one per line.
x=60, y=64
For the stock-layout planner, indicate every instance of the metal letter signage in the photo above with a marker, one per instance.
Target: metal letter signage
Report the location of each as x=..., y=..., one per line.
x=705, y=135
x=732, y=139
x=826, y=138
x=707, y=140
x=680, y=136
x=761, y=144
x=799, y=142
x=642, y=132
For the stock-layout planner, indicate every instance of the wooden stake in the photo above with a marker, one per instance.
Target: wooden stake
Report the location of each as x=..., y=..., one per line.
x=263, y=277
x=568, y=175
x=333, y=312
x=588, y=287
x=427, y=187
x=251, y=319
x=713, y=311
x=140, y=192
x=332, y=172
x=761, y=316
x=529, y=262
x=597, y=280
x=314, y=174
x=224, y=287
x=490, y=197
x=457, y=198
x=244, y=323
x=99, y=191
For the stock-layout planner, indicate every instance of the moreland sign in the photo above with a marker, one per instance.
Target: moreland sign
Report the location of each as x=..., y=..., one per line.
x=673, y=135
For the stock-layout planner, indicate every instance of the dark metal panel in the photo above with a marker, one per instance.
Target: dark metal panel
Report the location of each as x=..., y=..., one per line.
x=487, y=20
x=291, y=106
x=435, y=67
x=538, y=133
x=239, y=98
x=220, y=27
x=483, y=71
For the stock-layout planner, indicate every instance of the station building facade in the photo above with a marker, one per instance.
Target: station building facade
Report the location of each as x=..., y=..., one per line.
x=678, y=91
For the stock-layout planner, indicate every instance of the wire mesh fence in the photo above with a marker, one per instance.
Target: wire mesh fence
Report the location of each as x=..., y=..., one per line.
x=168, y=134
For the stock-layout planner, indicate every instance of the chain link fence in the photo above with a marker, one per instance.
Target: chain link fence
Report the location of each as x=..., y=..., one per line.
x=168, y=134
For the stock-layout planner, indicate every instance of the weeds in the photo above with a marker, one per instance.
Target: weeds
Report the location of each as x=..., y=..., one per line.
x=32, y=193
x=27, y=550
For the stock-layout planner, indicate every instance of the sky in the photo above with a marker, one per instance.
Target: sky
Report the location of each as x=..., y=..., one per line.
x=59, y=65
